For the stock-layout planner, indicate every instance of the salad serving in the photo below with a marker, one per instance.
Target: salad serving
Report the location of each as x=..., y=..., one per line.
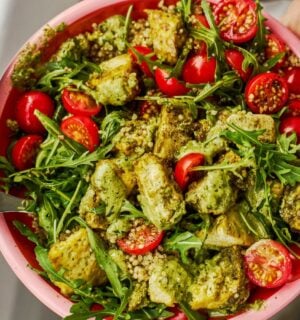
x=159, y=155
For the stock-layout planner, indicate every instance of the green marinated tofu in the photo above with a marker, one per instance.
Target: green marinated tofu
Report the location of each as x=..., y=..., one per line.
x=250, y=122
x=213, y=194
x=161, y=201
x=106, y=188
x=75, y=256
x=118, y=82
x=290, y=207
x=139, y=296
x=167, y=33
x=221, y=282
x=168, y=282
x=174, y=131
x=228, y=230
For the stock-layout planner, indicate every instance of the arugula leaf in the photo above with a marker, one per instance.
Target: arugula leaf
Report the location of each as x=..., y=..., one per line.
x=177, y=70
x=186, y=9
x=111, y=125
x=260, y=39
x=27, y=232
x=183, y=242
x=191, y=314
x=210, y=35
x=227, y=82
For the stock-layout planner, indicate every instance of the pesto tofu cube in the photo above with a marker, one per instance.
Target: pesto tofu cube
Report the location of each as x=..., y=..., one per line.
x=106, y=188
x=160, y=199
x=228, y=230
x=290, y=207
x=221, y=282
x=168, y=282
x=118, y=82
x=74, y=255
x=168, y=34
x=213, y=194
x=174, y=131
x=250, y=122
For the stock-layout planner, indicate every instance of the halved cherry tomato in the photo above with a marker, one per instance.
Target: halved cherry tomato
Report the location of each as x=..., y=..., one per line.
x=237, y=20
x=289, y=125
x=266, y=93
x=25, y=150
x=292, y=76
x=293, y=107
x=79, y=103
x=183, y=173
x=169, y=86
x=83, y=130
x=28, y=102
x=275, y=46
x=199, y=69
x=141, y=239
x=143, y=65
x=235, y=59
x=178, y=314
x=268, y=264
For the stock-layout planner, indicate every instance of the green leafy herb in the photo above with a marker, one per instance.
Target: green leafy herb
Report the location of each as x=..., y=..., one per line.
x=183, y=242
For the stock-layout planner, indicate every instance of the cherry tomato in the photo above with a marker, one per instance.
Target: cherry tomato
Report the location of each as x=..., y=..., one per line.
x=202, y=19
x=141, y=239
x=292, y=76
x=266, y=93
x=81, y=129
x=235, y=59
x=178, y=314
x=79, y=103
x=143, y=65
x=199, y=69
x=28, y=102
x=294, y=107
x=275, y=46
x=25, y=150
x=268, y=264
x=289, y=125
x=236, y=19
x=169, y=86
x=183, y=173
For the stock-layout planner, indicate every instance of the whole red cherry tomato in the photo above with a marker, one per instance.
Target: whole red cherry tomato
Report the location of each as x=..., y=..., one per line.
x=292, y=76
x=266, y=93
x=235, y=59
x=237, y=20
x=183, y=173
x=275, y=46
x=83, y=130
x=25, y=150
x=199, y=69
x=268, y=264
x=28, y=102
x=169, y=86
x=79, y=103
x=289, y=125
x=141, y=239
x=143, y=64
x=293, y=108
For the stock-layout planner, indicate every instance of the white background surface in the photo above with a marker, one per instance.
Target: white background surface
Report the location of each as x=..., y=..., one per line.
x=19, y=19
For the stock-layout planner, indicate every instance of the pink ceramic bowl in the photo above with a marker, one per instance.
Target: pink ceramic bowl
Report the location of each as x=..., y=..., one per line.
x=17, y=250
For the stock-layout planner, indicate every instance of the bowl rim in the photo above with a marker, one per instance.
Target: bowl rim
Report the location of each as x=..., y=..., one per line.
x=15, y=259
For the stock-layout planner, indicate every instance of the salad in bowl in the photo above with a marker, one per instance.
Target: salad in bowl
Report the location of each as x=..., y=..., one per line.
x=156, y=145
